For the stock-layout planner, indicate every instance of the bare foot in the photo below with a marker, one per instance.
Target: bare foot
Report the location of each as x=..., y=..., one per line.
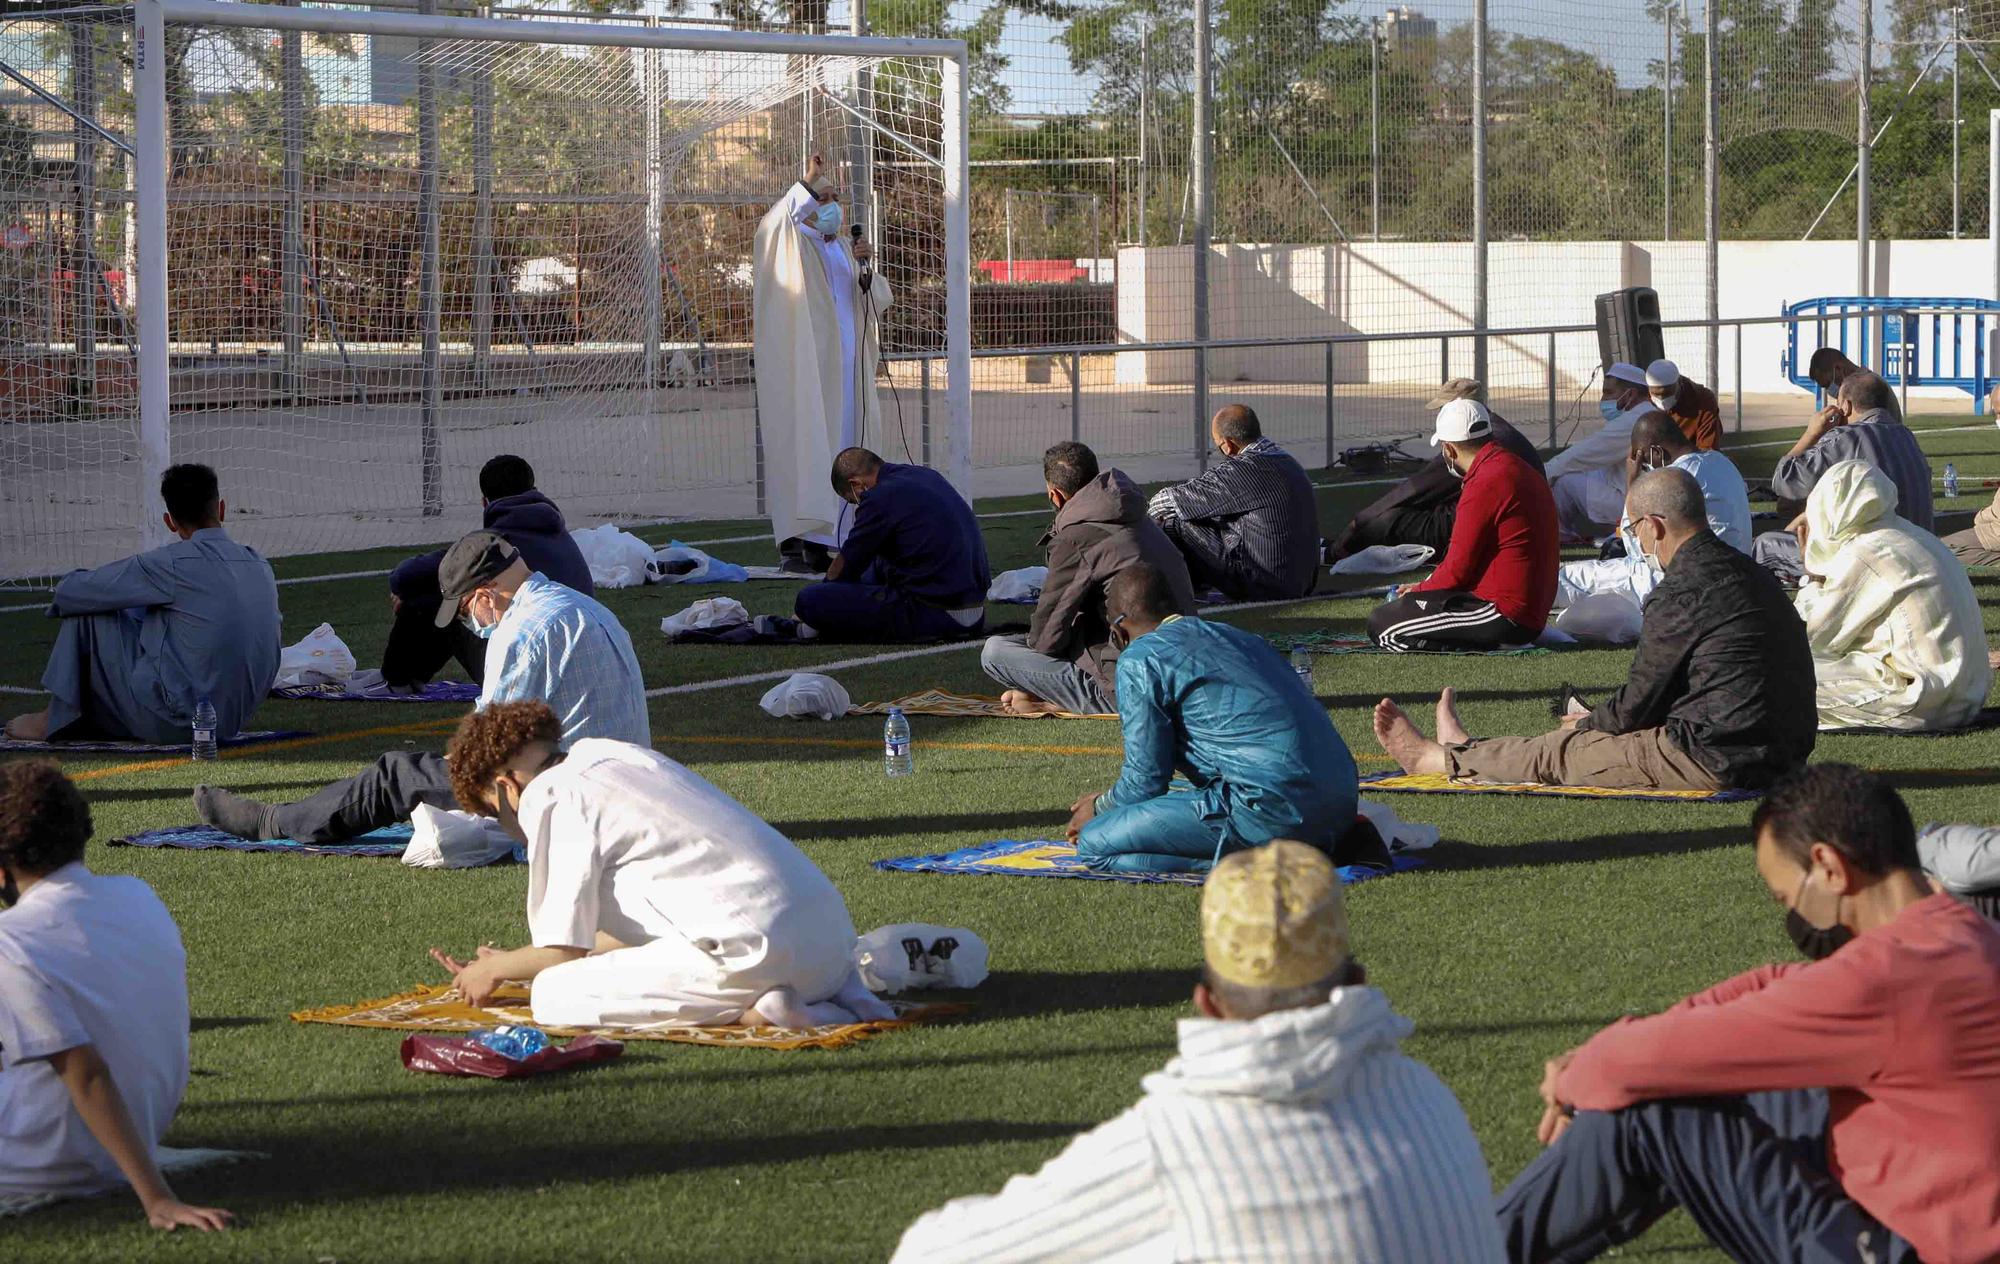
x=1021, y=702
x=1405, y=745
x=1993, y=659
x=1450, y=731
x=32, y=727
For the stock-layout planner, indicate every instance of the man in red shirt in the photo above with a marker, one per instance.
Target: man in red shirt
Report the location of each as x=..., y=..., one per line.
x=1843, y=1109
x=1498, y=577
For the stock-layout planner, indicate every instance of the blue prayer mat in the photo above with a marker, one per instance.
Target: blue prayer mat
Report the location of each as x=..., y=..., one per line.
x=1043, y=858
x=123, y=747
x=390, y=840
x=460, y=691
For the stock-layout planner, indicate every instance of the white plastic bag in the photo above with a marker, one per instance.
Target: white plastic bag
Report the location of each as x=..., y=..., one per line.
x=1019, y=587
x=806, y=694
x=1399, y=834
x=1384, y=559
x=454, y=840
x=705, y=615
x=321, y=659
x=914, y=955
x=617, y=559
x=1602, y=619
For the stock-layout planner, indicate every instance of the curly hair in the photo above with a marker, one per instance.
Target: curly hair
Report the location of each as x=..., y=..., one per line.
x=487, y=741
x=44, y=821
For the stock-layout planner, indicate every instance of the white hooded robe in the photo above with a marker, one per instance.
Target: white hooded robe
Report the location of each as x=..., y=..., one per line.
x=817, y=340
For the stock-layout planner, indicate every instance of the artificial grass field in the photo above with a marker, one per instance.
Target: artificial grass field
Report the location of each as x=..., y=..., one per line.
x=1534, y=923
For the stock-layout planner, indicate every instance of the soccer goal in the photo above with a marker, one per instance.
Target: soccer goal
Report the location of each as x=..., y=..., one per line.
x=374, y=249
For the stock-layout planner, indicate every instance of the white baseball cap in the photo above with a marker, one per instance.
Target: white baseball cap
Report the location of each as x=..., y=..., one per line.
x=1624, y=372
x=1462, y=419
x=1661, y=374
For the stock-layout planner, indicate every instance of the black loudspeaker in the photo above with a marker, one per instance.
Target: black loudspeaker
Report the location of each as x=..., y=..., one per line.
x=1628, y=327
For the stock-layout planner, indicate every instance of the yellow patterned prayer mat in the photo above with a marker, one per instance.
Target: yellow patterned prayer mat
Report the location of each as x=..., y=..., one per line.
x=439, y=1008
x=1439, y=783
x=945, y=702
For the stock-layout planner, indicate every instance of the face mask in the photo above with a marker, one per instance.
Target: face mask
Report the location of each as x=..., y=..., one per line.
x=1666, y=404
x=827, y=219
x=484, y=631
x=1815, y=943
x=1610, y=409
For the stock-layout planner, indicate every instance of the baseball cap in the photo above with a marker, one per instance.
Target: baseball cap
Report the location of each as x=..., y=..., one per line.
x=1272, y=917
x=476, y=559
x=1456, y=388
x=1462, y=419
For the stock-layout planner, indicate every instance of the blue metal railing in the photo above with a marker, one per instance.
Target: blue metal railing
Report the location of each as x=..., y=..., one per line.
x=1893, y=337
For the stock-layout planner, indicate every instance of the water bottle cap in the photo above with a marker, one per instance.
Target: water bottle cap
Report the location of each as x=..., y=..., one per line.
x=895, y=710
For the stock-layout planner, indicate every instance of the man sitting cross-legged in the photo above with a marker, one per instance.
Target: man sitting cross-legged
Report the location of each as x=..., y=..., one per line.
x=142, y=641
x=1249, y=524
x=1290, y=1128
x=1840, y=1110
x=1720, y=694
x=1498, y=578
x=1216, y=705
x=1067, y=662
x=1896, y=633
x=653, y=897
x=545, y=642
x=913, y=568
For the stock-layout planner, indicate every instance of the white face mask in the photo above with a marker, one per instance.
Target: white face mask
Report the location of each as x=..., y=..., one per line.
x=827, y=219
x=1665, y=403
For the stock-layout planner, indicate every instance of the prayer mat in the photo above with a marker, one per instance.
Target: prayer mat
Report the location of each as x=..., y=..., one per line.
x=115, y=746
x=778, y=572
x=390, y=840
x=1359, y=643
x=438, y=1007
x=460, y=691
x=1044, y=858
x=1987, y=719
x=945, y=702
x=1439, y=783
x=173, y=1161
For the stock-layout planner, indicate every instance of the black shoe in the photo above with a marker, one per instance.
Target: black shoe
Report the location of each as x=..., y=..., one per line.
x=1568, y=699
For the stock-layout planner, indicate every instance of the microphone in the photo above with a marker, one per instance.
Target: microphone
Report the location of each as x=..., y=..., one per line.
x=867, y=268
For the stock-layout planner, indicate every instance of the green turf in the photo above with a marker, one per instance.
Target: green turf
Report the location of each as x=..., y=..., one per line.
x=1536, y=922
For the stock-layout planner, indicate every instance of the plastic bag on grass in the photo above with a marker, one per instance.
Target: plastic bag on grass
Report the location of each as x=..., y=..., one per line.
x=464, y=1055
x=322, y=658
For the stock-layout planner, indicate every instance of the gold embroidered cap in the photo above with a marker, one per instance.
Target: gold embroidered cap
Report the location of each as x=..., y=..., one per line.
x=1272, y=917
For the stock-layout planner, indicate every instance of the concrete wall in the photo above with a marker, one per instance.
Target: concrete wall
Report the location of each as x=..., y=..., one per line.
x=1391, y=287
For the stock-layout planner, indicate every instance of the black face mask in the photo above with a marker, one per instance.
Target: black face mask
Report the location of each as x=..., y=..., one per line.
x=1815, y=943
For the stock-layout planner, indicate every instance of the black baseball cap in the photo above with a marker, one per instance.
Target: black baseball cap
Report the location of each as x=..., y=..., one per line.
x=476, y=560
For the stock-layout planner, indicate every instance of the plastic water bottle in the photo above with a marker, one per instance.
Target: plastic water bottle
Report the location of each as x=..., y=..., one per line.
x=517, y=1043
x=204, y=731
x=1950, y=481
x=1302, y=663
x=896, y=745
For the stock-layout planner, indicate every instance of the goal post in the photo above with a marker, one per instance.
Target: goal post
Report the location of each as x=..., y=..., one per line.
x=592, y=308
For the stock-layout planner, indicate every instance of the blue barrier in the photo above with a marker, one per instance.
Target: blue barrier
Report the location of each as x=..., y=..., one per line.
x=1911, y=342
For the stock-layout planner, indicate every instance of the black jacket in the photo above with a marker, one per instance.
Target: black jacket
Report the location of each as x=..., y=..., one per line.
x=533, y=525
x=1435, y=487
x=1724, y=665
x=1097, y=533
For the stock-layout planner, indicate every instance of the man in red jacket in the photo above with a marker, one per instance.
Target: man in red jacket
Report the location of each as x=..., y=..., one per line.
x=1842, y=1109
x=1498, y=578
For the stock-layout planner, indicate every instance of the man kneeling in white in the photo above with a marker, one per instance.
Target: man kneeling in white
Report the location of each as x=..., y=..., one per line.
x=653, y=897
x=1290, y=1128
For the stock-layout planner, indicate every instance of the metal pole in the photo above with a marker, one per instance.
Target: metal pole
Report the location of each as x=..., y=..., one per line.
x=861, y=182
x=292, y=274
x=149, y=184
x=1863, y=136
x=1957, y=122
x=84, y=267
x=1479, y=276
x=1007, y=213
x=1711, y=193
x=1739, y=377
x=1096, y=234
x=957, y=103
x=1374, y=130
x=1145, y=112
x=1076, y=396
x=1667, y=143
x=1552, y=392
x=1204, y=211
x=1993, y=193
x=485, y=264
x=656, y=206
x=430, y=288
x=1329, y=405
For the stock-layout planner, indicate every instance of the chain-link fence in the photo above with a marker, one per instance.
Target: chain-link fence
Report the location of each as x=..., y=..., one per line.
x=1377, y=187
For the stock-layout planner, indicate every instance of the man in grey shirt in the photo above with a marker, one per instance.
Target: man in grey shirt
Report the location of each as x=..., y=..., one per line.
x=1861, y=425
x=145, y=639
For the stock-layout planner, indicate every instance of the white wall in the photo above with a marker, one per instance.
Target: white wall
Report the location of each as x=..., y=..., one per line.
x=1391, y=287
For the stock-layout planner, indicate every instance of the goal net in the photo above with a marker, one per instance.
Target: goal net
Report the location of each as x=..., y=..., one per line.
x=397, y=246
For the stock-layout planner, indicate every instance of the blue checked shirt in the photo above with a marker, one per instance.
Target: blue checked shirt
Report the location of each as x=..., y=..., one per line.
x=556, y=645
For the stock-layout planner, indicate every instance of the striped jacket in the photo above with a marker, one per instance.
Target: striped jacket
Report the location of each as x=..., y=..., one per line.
x=1303, y=1135
x=1878, y=438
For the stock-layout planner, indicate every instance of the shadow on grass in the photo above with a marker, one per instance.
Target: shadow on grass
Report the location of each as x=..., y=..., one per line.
x=1037, y=822
x=224, y=1022
x=1450, y=854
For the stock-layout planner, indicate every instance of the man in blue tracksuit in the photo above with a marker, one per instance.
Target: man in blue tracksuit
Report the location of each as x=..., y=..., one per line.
x=912, y=568
x=1218, y=706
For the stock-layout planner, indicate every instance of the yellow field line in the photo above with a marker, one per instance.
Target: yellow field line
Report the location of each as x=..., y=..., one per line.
x=263, y=748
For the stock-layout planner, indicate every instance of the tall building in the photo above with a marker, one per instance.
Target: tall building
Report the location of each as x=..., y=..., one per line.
x=1405, y=29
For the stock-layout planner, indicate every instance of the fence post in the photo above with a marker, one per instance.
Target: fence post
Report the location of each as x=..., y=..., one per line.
x=484, y=265
x=1739, y=376
x=85, y=271
x=1863, y=151
x=1711, y=192
x=1444, y=360
x=1076, y=396
x=1667, y=127
x=1479, y=241
x=293, y=252
x=1204, y=211
x=924, y=411
x=656, y=204
x=1329, y=403
x=1552, y=392
x=149, y=202
x=1993, y=193
x=430, y=278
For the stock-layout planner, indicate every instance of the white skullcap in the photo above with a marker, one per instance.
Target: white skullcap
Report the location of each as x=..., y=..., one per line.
x=1624, y=372
x=1662, y=373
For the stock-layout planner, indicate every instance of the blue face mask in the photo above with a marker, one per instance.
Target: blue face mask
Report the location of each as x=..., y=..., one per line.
x=1610, y=409
x=484, y=633
x=827, y=219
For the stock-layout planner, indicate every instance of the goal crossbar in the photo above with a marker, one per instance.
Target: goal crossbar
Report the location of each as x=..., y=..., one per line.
x=152, y=166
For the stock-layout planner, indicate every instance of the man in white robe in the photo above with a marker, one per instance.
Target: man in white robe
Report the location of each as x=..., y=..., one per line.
x=816, y=327
x=1588, y=477
x=653, y=897
x=1895, y=627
